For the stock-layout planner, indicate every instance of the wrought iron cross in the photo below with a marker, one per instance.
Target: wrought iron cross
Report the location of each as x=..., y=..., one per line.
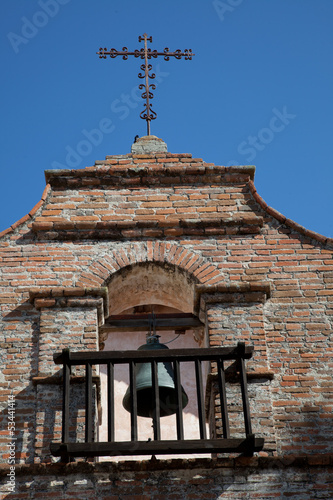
x=147, y=114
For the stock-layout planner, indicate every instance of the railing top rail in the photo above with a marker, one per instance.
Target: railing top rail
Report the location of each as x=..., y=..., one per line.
x=117, y=357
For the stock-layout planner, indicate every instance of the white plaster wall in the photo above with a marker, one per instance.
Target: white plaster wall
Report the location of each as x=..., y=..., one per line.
x=132, y=340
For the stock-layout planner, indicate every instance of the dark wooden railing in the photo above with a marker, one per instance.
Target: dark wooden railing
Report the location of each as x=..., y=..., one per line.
x=226, y=444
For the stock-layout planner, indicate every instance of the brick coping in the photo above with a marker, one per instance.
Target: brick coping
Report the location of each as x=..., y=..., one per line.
x=241, y=462
x=28, y=216
x=287, y=222
x=166, y=167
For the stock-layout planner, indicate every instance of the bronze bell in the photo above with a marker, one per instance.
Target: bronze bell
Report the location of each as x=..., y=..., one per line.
x=144, y=386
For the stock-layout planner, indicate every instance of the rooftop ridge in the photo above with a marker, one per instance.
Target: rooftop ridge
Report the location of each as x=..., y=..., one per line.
x=163, y=169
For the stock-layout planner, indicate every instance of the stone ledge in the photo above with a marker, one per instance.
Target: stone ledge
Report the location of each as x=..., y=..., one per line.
x=179, y=172
x=254, y=463
x=71, y=297
x=70, y=230
x=254, y=286
x=41, y=292
x=233, y=376
x=116, y=159
x=254, y=291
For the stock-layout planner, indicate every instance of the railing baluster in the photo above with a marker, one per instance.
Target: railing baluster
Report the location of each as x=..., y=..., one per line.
x=134, y=402
x=110, y=398
x=65, y=399
x=66, y=450
x=88, y=419
x=157, y=412
x=179, y=409
x=200, y=397
x=223, y=399
x=245, y=399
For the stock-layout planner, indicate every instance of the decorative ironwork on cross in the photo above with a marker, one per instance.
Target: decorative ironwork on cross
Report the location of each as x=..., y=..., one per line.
x=146, y=53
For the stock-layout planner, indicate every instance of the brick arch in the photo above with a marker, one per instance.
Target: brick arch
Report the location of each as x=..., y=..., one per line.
x=98, y=273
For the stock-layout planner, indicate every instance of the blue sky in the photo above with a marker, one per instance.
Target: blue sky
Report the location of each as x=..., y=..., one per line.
x=259, y=91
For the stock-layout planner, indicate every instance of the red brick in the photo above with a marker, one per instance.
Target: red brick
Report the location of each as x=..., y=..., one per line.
x=39, y=303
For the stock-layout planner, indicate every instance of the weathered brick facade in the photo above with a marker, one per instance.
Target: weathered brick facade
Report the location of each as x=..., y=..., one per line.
x=208, y=244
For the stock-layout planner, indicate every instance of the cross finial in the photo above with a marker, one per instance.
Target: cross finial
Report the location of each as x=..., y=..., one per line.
x=144, y=53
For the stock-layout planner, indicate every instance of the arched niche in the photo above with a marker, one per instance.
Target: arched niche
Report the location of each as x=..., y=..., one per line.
x=151, y=283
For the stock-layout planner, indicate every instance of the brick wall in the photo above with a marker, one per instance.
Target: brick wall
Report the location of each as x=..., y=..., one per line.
x=255, y=276
x=298, y=478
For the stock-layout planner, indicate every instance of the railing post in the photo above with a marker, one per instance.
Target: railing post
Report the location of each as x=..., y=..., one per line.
x=65, y=400
x=110, y=398
x=157, y=411
x=179, y=409
x=200, y=398
x=134, y=402
x=88, y=419
x=223, y=398
x=243, y=381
